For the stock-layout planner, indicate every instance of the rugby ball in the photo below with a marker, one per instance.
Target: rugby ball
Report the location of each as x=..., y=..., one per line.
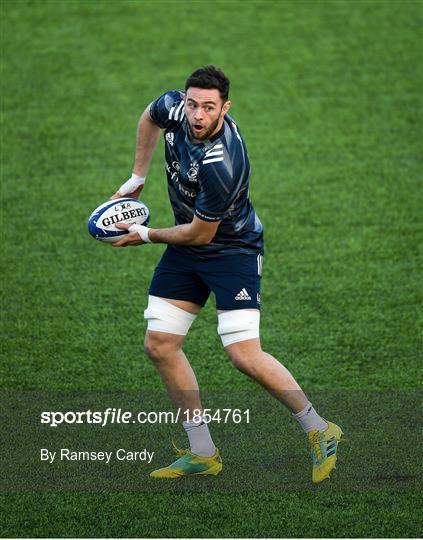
x=102, y=222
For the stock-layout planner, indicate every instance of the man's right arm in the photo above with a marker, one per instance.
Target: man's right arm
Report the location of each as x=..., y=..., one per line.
x=148, y=134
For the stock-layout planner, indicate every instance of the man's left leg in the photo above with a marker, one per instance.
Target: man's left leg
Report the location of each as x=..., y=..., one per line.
x=247, y=355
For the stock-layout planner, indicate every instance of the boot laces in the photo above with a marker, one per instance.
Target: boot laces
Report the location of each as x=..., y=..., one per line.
x=179, y=451
x=314, y=438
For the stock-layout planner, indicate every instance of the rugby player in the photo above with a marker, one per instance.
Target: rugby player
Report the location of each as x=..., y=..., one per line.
x=216, y=245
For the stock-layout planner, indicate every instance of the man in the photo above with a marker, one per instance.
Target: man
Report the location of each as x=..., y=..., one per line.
x=216, y=245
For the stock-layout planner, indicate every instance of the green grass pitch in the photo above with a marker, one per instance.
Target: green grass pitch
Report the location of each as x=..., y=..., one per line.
x=328, y=96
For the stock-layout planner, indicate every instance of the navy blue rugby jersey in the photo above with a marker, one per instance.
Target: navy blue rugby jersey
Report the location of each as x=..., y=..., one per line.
x=208, y=179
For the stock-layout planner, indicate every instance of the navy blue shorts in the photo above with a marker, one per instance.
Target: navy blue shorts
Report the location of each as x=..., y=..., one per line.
x=234, y=279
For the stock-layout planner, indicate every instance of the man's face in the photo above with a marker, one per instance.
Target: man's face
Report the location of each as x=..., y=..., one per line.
x=204, y=110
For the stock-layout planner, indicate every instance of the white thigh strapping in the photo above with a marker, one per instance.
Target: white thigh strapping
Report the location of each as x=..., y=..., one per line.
x=163, y=316
x=238, y=325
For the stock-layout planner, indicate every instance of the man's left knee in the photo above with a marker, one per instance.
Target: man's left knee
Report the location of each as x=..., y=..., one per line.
x=238, y=325
x=245, y=355
x=240, y=330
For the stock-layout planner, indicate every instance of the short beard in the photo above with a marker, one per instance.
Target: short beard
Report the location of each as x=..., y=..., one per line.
x=208, y=132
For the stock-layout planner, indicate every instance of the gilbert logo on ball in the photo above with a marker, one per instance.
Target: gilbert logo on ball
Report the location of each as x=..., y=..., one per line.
x=102, y=222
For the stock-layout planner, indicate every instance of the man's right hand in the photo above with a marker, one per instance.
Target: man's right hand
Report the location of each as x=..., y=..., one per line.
x=134, y=195
x=131, y=188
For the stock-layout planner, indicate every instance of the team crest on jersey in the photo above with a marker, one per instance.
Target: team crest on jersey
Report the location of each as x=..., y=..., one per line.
x=170, y=138
x=193, y=172
x=176, y=166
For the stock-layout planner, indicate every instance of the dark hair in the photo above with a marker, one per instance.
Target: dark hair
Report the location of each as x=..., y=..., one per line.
x=209, y=77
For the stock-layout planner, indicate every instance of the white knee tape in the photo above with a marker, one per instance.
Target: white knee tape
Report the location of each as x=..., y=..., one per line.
x=163, y=316
x=238, y=325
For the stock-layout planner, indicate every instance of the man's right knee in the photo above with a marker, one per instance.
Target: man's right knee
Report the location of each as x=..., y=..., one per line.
x=167, y=328
x=162, y=316
x=160, y=346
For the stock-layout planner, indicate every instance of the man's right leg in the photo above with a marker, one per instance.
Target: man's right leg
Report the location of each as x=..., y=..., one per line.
x=165, y=350
x=168, y=323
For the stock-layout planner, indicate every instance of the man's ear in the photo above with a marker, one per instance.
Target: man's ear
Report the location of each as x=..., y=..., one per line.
x=226, y=107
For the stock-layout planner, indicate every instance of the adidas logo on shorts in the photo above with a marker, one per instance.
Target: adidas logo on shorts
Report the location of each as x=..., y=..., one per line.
x=243, y=295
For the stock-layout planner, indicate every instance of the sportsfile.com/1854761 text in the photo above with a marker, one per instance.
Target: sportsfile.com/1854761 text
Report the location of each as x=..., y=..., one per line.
x=113, y=415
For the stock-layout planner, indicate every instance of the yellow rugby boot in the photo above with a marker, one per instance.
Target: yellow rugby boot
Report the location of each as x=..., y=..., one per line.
x=190, y=464
x=324, y=445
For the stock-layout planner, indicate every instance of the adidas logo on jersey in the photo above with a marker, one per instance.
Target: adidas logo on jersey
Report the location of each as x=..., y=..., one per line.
x=177, y=112
x=243, y=295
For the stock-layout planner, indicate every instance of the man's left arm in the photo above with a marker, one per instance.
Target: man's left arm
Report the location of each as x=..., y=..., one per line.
x=196, y=233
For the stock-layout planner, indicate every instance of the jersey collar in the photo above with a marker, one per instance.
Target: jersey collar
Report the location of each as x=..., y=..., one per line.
x=218, y=134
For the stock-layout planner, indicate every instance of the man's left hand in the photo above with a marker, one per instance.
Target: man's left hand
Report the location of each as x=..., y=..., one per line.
x=130, y=239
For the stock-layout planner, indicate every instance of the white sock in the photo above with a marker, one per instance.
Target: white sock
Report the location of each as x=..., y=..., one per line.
x=200, y=440
x=310, y=420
